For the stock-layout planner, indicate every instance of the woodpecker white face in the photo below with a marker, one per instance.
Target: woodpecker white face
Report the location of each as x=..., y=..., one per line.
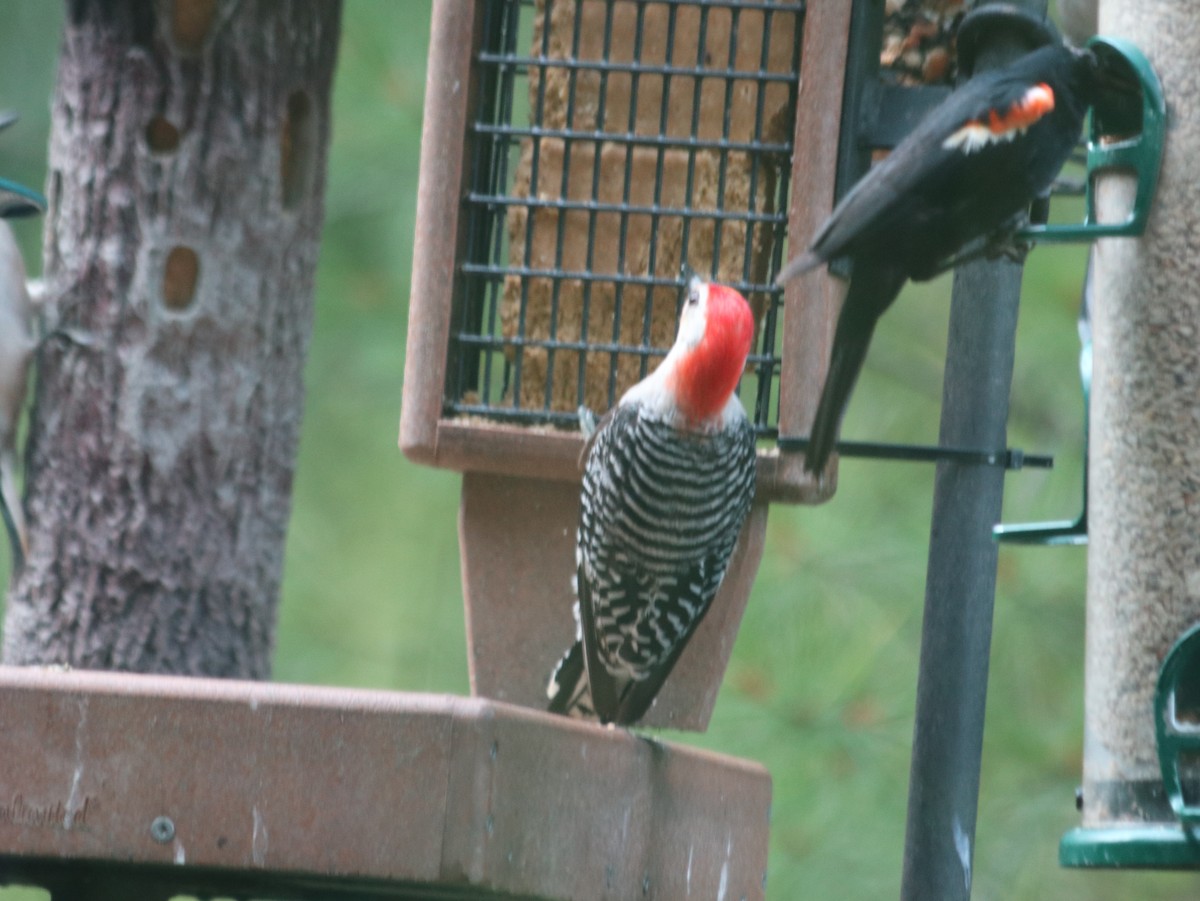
x=694, y=387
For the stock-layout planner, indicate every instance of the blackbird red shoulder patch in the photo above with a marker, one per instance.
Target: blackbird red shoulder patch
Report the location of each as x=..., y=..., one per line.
x=1003, y=125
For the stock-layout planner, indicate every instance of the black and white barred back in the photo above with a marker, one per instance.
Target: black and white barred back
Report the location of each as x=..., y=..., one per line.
x=662, y=509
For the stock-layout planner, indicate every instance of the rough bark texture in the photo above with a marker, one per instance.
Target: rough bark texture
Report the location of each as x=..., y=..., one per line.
x=186, y=187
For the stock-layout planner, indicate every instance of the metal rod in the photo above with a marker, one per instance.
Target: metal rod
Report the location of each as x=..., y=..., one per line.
x=956, y=635
x=1006, y=458
x=658, y=142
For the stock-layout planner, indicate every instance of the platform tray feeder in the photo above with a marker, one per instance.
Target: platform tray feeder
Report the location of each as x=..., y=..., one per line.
x=147, y=787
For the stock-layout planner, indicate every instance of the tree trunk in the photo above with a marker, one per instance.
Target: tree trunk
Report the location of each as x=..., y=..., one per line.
x=186, y=186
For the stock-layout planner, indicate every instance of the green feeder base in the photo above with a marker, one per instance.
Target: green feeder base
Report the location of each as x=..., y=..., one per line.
x=1150, y=846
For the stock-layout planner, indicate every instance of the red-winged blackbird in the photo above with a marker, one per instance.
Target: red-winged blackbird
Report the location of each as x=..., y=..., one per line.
x=969, y=168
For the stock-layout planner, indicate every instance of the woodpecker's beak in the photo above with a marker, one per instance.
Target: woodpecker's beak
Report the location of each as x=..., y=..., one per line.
x=692, y=280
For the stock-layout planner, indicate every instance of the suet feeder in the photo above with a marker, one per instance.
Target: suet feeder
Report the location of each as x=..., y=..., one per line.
x=576, y=154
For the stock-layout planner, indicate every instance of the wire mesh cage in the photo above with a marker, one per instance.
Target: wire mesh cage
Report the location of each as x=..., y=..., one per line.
x=658, y=137
x=607, y=145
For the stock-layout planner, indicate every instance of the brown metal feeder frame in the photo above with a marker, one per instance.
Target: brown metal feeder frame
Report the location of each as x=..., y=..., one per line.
x=546, y=275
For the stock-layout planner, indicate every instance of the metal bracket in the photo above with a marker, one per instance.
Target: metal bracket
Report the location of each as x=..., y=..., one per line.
x=1060, y=532
x=17, y=200
x=1140, y=153
x=1176, y=678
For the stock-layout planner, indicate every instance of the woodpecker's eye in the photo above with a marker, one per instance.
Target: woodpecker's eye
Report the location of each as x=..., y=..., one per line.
x=693, y=298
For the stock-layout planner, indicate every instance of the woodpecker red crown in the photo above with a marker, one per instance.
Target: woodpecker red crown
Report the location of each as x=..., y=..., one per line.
x=707, y=376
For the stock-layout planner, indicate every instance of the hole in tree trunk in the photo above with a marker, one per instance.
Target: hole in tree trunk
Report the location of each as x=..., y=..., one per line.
x=190, y=23
x=162, y=136
x=179, y=278
x=297, y=148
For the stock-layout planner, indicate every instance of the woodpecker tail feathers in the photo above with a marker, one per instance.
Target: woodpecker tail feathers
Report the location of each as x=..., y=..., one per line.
x=568, y=691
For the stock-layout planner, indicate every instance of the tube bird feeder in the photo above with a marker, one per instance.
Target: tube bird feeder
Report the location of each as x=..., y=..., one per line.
x=1141, y=766
x=576, y=154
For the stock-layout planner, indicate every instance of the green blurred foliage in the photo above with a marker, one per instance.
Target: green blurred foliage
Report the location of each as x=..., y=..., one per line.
x=822, y=682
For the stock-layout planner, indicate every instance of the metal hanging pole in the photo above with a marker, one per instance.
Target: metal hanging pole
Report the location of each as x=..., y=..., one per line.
x=961, y=578
x=959, y=592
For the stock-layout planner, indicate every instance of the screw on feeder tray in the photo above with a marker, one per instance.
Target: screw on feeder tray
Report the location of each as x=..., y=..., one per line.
x=162, y=829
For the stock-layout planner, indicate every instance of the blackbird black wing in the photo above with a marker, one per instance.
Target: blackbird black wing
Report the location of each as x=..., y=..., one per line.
x=994, y=108
x=661, y=511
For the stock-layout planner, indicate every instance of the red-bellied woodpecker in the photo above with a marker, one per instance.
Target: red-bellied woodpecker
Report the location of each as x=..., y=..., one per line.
x=17, y=344
x=667, y=485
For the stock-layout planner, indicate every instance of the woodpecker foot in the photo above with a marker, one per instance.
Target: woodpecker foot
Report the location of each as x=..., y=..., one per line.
x=1004, y=241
